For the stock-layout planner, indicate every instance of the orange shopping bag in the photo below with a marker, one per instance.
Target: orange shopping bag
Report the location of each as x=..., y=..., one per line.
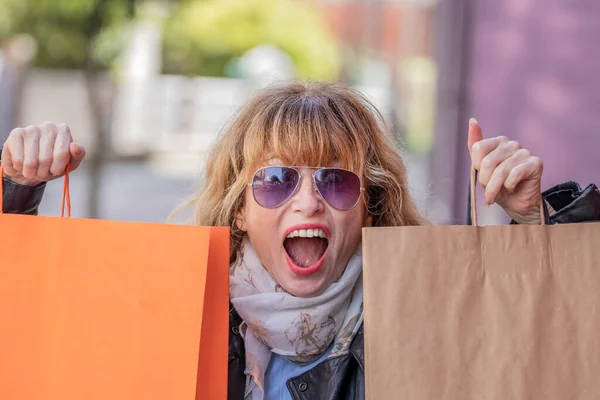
x=93, y=309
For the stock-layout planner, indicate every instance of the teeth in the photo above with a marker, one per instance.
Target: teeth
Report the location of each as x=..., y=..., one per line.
x=308, y=233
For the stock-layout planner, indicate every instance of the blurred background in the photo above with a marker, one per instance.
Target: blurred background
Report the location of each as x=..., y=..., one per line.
x=146, y=85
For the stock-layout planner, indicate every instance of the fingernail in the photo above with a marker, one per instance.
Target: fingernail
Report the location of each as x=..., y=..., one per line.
x=78, y=150
x=473, y=121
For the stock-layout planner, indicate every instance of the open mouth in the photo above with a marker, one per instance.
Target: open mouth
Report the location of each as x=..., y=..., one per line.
x=306, y=249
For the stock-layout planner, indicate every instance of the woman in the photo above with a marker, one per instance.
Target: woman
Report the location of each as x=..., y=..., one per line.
x=300, y=171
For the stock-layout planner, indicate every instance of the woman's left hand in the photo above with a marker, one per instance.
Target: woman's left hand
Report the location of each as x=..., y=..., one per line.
x=508, y=173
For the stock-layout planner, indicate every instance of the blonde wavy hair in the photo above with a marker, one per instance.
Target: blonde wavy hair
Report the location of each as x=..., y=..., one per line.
x=310, y=124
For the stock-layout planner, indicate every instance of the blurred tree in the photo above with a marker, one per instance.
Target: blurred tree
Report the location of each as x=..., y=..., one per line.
x=69, y=33
x=205, y=37
x=73, y=34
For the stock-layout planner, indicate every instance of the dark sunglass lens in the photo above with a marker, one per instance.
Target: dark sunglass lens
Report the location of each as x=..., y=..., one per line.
x=340, y=188
x=272, y=186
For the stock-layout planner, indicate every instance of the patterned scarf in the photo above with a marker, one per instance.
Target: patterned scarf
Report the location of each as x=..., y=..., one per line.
x=299, y=329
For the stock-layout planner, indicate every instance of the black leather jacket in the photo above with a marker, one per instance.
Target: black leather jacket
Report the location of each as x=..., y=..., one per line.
x=340, y=378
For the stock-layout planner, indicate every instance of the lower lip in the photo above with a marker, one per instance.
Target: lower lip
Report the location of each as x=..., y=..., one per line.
x=305, y=270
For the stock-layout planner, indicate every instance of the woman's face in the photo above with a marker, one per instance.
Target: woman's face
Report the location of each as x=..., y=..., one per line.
x=303, y=267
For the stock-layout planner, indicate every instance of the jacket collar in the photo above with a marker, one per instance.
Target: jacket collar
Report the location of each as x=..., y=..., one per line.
x=357, y=347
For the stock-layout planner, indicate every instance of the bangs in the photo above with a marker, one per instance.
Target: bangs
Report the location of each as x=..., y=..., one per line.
x=309, y=131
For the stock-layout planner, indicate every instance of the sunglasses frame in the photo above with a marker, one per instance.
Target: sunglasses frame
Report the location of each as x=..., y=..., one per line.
x=314, y=182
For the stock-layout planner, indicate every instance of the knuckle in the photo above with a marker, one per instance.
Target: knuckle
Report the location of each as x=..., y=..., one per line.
x=476, y=148
x=65, y=129
x=483, y=177
x=32, y=132
x=45, y=161
x=49, y=126
x=30, y=164
x=61, y=155
x=503, y=139
x=504, y=170
x=17, y=133
x=486, y=163
x=55, y=171
x=483, y=182
x=537, y=162
x=513, y=145
x=524, y=152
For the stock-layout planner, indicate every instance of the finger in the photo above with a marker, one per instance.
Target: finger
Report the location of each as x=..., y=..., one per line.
x=31, y=151
x=475, y=133
x=61, y=154
x=531, y=169
x=488, y=164
x=50, y=131
x=481, y=149
x=77, y=154
x=7, y=164
x=501, y=173
x=16, y=139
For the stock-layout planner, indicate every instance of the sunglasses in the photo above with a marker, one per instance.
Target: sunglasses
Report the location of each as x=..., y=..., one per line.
x=273, y=186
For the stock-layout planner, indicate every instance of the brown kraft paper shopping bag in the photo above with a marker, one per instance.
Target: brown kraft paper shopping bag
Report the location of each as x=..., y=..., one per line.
x=93, y=309
x=482, y=312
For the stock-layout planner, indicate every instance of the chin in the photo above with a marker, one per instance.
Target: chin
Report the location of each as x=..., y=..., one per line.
x=306, y=289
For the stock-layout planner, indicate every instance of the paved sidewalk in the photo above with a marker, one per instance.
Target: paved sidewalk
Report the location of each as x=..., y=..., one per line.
x=130, y=192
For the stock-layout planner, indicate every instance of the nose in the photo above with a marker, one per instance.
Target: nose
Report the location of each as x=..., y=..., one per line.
x=306, y=200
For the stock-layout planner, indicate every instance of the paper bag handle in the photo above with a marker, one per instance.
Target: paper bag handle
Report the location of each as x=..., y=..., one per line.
x=472, y=203
x=66, y=197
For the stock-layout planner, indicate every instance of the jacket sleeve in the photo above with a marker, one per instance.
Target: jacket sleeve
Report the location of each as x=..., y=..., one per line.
x=569, y=203
x=21, y=199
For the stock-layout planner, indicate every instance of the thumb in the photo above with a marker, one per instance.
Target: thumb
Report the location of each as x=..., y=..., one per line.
x=77, y=154
x=475, y=133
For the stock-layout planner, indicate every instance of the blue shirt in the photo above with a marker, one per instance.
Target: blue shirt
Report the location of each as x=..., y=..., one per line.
x=280, y=370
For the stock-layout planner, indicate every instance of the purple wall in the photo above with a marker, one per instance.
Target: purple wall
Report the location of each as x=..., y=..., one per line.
x=536, y=77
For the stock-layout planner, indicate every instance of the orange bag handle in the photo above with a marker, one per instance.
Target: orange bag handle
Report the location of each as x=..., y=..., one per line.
x=66, y=197
x=472, y=203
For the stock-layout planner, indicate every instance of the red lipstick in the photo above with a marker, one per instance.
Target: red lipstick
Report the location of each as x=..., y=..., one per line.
x=316, y=266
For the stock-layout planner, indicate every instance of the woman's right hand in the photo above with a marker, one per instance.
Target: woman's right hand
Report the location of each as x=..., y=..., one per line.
x=37, y=154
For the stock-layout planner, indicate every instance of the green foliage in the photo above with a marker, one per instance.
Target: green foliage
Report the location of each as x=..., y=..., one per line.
x=203, y=37
x=68, y=32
